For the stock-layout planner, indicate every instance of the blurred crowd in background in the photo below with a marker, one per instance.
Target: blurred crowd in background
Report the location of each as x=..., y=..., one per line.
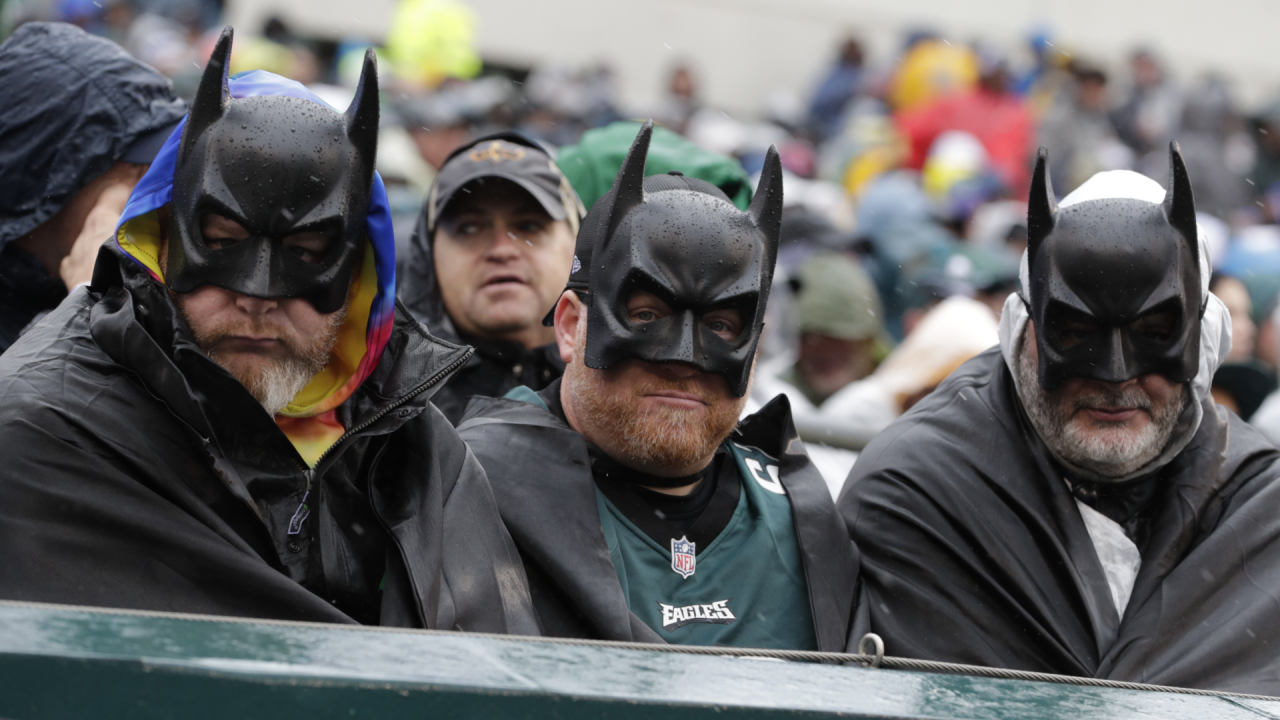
x=905, y=183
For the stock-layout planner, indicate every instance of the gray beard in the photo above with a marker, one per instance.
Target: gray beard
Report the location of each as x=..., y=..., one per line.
x=277, y=385
x=1113, y=454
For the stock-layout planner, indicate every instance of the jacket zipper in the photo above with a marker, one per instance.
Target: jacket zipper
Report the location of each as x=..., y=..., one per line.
x=310, y=473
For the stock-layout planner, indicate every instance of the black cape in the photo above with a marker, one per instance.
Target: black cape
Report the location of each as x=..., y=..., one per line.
x=975, y=552
x=541, y=476
x=496, y=367
x=136, y=473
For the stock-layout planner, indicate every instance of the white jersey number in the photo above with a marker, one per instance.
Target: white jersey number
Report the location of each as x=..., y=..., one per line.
x=766, y=476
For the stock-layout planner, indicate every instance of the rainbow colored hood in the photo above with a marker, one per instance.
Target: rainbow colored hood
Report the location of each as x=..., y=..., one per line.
x=367, y=327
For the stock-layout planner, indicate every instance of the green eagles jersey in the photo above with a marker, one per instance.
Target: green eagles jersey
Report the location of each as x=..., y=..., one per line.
x=746, y=588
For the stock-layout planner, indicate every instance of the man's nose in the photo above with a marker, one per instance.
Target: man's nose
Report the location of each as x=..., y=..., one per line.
x=256, y=305
x=678, y=370
x=1114, y=368
x=504, y=243
x=1113, y=387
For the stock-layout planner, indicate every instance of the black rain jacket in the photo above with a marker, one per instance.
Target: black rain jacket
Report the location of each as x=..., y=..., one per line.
x=974, y=550
x=541, y=475
x=73, y=104
x=137, y=473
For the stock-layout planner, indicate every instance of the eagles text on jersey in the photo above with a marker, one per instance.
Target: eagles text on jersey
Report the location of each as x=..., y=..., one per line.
x=717, y=613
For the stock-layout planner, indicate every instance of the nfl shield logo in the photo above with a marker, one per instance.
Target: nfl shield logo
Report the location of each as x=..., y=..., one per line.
x=683, y=559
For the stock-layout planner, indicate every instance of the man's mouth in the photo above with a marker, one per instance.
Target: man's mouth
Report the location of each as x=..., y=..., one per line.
x=1112, y=414
x=249, y=343
x=677, y=398
x=500, y=280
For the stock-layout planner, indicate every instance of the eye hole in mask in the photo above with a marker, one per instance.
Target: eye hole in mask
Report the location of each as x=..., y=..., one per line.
x=220, y=231
x=645, y=307
x=1072, y=327
x=1159, y=325
x=310, y=246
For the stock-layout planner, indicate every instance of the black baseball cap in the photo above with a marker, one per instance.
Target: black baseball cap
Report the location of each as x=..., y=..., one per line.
x=511, y=156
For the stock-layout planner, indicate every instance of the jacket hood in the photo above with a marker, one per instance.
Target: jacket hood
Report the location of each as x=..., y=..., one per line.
x=84, y=103
x=420, y=290
x=364, y=334
x=1215, y=335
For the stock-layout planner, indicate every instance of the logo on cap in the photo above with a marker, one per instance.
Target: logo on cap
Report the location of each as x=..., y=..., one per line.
x=496, y=152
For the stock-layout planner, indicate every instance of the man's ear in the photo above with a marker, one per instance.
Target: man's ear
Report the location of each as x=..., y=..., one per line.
x=569, y=313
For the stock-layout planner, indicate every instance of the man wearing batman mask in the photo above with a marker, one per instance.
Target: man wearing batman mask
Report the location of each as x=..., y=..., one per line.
x=642, y=510
x=1073, y=501
x=234, y=418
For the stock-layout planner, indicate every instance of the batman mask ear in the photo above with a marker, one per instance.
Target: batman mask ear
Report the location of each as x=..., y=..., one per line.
x=362, y=114
x=765, y=211
x=1179, y=204
x=766, y=204
x=212, y=96
x=628, y=187
x=1042, y=207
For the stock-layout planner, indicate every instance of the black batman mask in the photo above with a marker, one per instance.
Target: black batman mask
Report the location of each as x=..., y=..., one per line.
x=283, y=168
x=1115, y=283
x=684, y=241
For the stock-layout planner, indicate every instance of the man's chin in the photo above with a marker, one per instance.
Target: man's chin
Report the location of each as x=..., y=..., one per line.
x=243, y=366
x=1112, y=436
x=508, y=317
x=1111, y=451
x=273, y=383
x=491, y=297
x=665, y=440
x=250, y=359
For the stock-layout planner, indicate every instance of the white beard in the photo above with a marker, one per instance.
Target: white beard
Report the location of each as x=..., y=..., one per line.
x=1112, y=453
x=280, y=383
x=276, y=386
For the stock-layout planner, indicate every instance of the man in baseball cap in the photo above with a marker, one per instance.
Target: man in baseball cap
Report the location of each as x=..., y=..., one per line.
x=492, y=251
